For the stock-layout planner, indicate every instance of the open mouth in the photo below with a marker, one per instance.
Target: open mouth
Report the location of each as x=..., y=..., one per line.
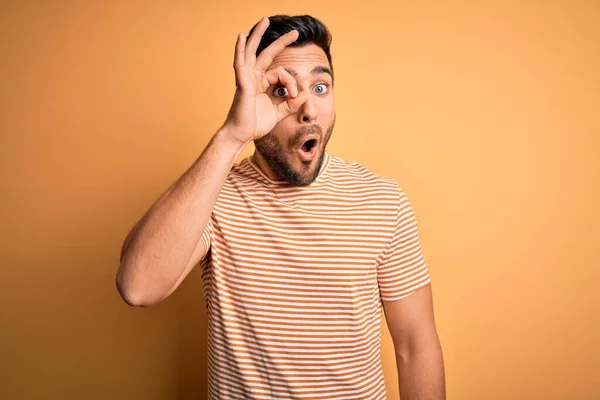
x=309, y=145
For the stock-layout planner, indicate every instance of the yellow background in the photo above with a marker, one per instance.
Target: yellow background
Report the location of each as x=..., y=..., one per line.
x=487, y=113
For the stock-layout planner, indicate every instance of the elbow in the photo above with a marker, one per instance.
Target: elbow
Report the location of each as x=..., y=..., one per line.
x=414, y=347
x=134, y=295
x=134, y=300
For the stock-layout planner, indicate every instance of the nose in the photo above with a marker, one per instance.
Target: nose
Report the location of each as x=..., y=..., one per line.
x=308, y=112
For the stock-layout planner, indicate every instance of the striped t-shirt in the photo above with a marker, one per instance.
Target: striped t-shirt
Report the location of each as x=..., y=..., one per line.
x=294, y=281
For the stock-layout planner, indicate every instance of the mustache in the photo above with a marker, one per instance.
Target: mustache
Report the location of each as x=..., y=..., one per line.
x=298, y=138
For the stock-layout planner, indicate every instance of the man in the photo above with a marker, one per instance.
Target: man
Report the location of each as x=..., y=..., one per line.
x=298, y=248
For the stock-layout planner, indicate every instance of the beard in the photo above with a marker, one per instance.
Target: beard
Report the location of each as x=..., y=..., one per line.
x=279, y=156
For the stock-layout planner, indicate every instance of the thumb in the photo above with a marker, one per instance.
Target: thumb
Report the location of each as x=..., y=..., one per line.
x=291, y=105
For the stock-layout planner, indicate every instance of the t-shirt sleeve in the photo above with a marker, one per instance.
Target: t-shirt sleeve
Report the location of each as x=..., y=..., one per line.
x=207, y=234
x=401, y=268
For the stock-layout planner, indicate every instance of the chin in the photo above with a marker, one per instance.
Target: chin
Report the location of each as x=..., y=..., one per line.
x=307, y=173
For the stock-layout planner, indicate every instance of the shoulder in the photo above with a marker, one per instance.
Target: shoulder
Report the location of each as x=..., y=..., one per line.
x=242, y=176
x=353, y=171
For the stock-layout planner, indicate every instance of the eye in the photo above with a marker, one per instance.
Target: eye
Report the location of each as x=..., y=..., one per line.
x=321, y=88
x=280, y=91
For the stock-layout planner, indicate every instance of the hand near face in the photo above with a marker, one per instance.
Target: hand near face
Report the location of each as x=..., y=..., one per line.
x=253, y=113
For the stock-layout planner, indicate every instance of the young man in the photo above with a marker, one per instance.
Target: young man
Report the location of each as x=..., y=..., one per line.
x=300, y=251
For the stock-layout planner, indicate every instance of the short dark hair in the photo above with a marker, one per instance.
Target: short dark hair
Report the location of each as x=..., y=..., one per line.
x=310, y=29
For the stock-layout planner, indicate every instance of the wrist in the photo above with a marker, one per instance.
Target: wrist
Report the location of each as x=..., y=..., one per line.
x=230, y=136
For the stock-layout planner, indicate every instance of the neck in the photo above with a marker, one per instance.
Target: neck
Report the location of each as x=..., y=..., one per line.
x=264, y=166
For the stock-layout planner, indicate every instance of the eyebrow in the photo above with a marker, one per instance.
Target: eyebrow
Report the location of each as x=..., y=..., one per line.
x=320, y=69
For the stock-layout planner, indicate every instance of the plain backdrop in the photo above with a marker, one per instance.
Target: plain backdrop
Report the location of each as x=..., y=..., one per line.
x=486, y=113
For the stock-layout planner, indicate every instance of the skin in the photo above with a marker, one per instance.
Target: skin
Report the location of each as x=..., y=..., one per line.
x=419, y=358
x=277, y=152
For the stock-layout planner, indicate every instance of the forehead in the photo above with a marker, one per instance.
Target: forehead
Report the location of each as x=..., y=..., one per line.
x=302, y=59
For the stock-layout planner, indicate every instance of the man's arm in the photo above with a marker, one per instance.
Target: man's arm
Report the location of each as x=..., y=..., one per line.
x=417, y=346
x=166, y=243
x=162, y=248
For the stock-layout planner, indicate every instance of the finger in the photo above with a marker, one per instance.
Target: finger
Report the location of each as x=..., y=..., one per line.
x=241, y=76
x=291, y=106
x=277, y=75
x=254, y=40
x=266, y=57
x=239, y=58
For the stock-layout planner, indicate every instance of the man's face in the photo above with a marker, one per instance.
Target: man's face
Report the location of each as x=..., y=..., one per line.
x=285, y=148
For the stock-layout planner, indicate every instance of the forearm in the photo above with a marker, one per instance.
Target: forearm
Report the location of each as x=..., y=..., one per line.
x=421, y=374
x=158, y=248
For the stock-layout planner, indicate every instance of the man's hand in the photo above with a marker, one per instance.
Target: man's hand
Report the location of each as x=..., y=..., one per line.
x=253, y=114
